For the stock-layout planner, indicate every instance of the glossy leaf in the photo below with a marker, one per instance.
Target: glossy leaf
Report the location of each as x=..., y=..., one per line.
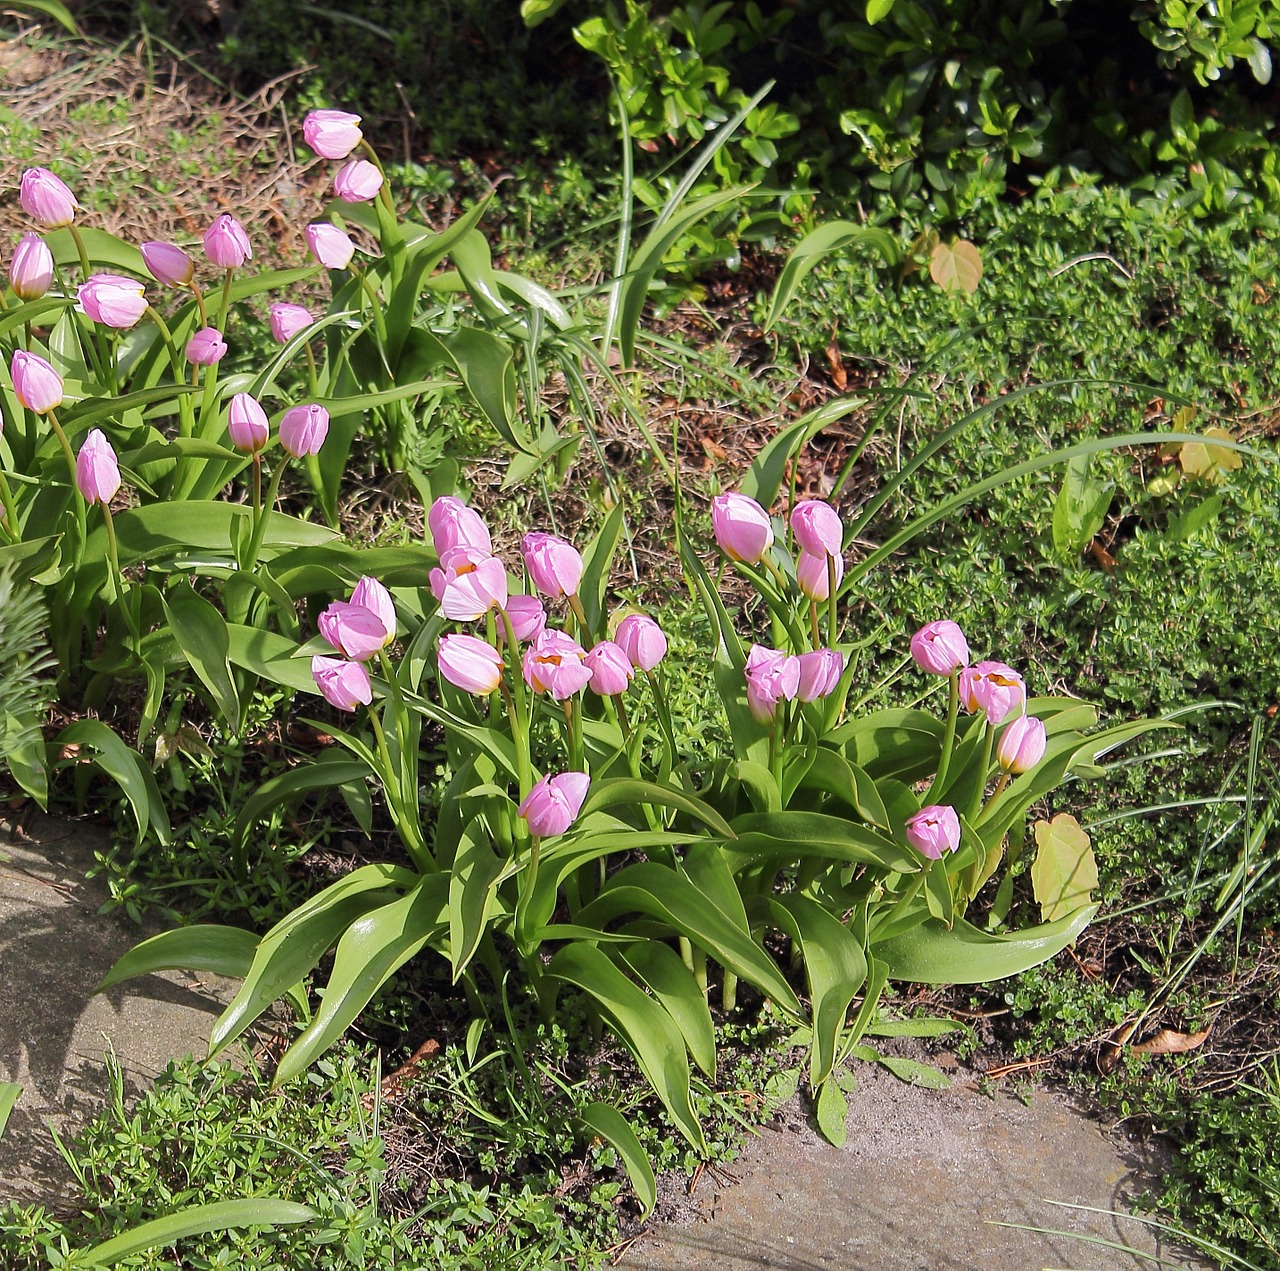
x=672, y=983
x=219, y=950
x=1064, y=873
x=833, y=1112
x=473, y=881
x=819, y=243
x=328, y=771
x=608, y=1123
x=128, y=769
x=271, y=656
x=627, y=792
x=796, y=834
x=201, y=633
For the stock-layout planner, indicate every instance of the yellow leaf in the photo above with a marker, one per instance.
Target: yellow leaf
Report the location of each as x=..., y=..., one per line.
x=1065, y=871
x=956, y=266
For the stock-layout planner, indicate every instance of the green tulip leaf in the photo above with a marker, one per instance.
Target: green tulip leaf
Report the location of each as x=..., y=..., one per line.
x=608, y=1123
x=9, y=1094
x=672, y=983
x=821, y=242
x=473, y=883
x=205, y=947
x=128, y=769
x=794, y=833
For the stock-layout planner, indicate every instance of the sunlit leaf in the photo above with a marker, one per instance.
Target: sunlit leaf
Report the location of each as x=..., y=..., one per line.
x=956, y=266
x=1064, y=872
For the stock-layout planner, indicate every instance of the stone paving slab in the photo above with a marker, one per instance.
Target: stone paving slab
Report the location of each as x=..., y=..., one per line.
x=55, y=948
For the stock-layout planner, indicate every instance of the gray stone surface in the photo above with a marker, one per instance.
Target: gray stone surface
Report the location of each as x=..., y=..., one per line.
x=55, y=949
x=919, y=1186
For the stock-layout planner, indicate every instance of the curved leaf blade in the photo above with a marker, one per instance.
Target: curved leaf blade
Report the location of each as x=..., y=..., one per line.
x=206, y=947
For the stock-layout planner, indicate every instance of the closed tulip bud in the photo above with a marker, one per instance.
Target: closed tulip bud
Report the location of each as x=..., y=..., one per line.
x=818, y=528
x=356, y=632
x=343, y=684
x=37, y=384
x=168, y=264
x=468, y=584
x=31, y=269
x=206, y=347
x=554, y=565
x=372, y=595
x=303, y=429
x=332, y=134
x=47, y=198
x=528, y=618
x=552, y=806
x=771, y=676
x=940, y=648
x=742, y=527
x=97, y=469
x=934, y=830
x=812, y=576
x=114, y=301
x=610, y=668
x=1022, y=744
x=556, y=663
x=820, y=672
x=287, y=320
x=357, y=181
x=994, y=688
x=247, y=424
x=329, y=245
x=470, y=664
x=641, y=639
x=226, y=244
x=453, y=524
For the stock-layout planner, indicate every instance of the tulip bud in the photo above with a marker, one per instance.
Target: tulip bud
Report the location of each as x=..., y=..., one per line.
x=47, y=198
x=934, y=830
x=206, y=347
x=610, y=668
x=372, y=595
x=114, y=301
x=357, y=181
x=332, y=134
x=470, y=664
x=818, y=528
x=31, y=269
x=641, y=639
x=1022, y=744
x=940, y=648
x=554, y=565
x=528, y=618
x=287, y=320
x=168, y=264
x=994, y=688
x=812, y=576
x=556, y=663
x=820, y=672
x=97, y=469
x=343, y=684
x=226, y=244
x=552, y=806
x=37, y=385
x=468, y=584
x=742, y=527
x=771, y=676
x=303, y=429
x=247, y=424
x=356, y=632
x=453, y=524
x=329, y=245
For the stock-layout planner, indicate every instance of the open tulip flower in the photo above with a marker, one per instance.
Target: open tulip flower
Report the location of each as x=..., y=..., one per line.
x=940, y=648
x=468, y=584
x=934, y=830
x=994, y=688
x=772, y=676
x=356, y=632
x=528, y=618
x=556, y=664
x=332, y=134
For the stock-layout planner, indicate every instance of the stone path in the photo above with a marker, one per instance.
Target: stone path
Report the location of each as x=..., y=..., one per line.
x=55, y=949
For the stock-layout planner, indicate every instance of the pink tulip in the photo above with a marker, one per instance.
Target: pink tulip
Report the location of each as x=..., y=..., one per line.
x=329, y=245
x=206, y=347
x=812, y=577
x=453, y=524
x=554, y=565
x=552, y=806
x=97, y=469
x=370, y=594
x=357, y=181
x=247, y=424
x=820, y=672
x=934, y=830
x=1022, y=744
x=940, y=648
x=226, y=244
x=356, y=632
x=468, y=584
x=114, y=301
x=818, y=528
x=37, y=384
x=168, y=263
x=31, y=269
x=771, y=676
x=332, y=134
x=641, y=639
x=303, y=429
x=47, y=198
x=343, y=684
x=528, y=618
x=287, y=320
x=610, y=668
x=742, y=527
x=994, y=688
x=470, y=664
x=556, y=663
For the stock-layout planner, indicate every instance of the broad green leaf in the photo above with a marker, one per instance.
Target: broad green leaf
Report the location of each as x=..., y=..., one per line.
x=768, y=469
x=597, y=562
x=914, y=1072
x=1064, y=872
x=196, y=1220
x=201, y=633
x=798, y=834
x=892, y=743
x=816, y=245
x=126, y=767
x=271, y=656
x=648, y=1031
x=326, y=772
x=709, y=871
x=613, y=792
x=833, y=1113
x=9, y=1093
x=832, y=773
x=473, y=882
x=535, y=12
x=913, y=1028
x=220, y=950
x=932, y=954
x=1187, y=524
x=102, y=248
x=956, y=266
x=672, y=983
x=372, y=949
x=878, y=9
x=1080, y=508
x=606, y=1121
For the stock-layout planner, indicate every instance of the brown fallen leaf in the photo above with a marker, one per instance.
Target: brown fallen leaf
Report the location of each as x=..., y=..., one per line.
x=1102, y=556
x=394, y=1082
x=1168, y=1042
x=838, y=375
x=1109, y=1056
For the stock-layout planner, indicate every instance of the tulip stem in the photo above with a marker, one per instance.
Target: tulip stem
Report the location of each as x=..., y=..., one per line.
x=179, y=370
x=813, y=622
x=902, y=903
x=517, y=711
x=10, y=516
x=948, y=737
x=257, y=485
x=66, y=445
x=987, y=747
x=580, y=616
x=113, y=554
x=375, y=306
x=106, y=365
x=407, y=824
x=412, y=828
x=995, y=794
x=199, y=295
x=312, y=377
x=261, y=516
x=729, y=991
x=664, y=714
x=831, y=602
x=225, y=315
